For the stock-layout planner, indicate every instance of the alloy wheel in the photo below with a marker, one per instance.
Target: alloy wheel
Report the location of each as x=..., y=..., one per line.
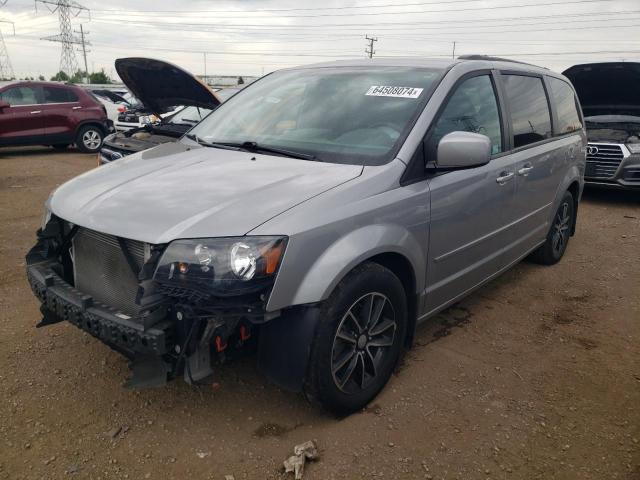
x=362, y=343
x=91, y=139
x=561, y=226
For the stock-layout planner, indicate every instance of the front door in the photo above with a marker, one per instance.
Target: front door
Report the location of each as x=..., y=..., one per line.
x=22, y=121
x=471, y=209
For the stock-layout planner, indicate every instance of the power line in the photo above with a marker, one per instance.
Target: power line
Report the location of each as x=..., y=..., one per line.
x=401, y=25
x=244, y=12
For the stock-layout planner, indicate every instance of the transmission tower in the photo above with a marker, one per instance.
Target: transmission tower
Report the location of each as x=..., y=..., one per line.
x=66, y=10
x=6, y=70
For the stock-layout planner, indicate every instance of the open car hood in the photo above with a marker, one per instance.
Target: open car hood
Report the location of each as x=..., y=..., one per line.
x=160, y=85
x=609, y=88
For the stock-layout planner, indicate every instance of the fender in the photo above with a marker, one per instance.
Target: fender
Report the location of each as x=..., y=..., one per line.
x=346, y=253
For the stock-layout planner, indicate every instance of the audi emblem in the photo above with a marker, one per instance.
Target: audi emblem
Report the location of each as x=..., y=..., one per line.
x=591, y=150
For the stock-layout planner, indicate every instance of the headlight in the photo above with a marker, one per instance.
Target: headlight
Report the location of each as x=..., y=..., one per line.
x=145, y=119
x=634, y=147
x=221, y=266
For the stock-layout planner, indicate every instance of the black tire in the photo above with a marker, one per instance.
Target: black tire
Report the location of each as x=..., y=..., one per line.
x=89, y=139
x=377, y=347
x=552, y=250
x=61, y=146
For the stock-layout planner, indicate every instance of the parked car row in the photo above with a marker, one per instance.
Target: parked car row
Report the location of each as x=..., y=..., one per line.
x=147, y=114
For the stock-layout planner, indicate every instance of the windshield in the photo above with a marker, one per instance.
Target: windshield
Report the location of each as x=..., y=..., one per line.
x=338, y=114
x=225, y=93
x=190, y=115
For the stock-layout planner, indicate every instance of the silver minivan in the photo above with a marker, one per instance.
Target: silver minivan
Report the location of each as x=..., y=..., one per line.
x=318, y=216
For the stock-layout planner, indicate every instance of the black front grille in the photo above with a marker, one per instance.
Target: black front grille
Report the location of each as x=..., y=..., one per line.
x=603, y=160
x=129, y=118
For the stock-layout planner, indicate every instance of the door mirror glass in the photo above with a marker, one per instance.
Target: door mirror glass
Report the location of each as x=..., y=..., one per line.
x=463, y=150
x=4, y=104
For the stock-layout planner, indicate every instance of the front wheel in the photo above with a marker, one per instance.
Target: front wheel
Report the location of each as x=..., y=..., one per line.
x=89, y=139
x=552, y=250
x=358, y=340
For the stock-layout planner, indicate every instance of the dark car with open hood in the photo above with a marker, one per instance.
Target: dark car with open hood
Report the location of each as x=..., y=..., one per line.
x=159, y=86
x=610, y=99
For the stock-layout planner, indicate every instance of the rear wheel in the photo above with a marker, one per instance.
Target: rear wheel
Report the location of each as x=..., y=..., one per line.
x=358, y=341
x=89, y=139
x=552, y=250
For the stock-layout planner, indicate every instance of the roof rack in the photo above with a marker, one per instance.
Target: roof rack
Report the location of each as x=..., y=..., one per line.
x=496, y=59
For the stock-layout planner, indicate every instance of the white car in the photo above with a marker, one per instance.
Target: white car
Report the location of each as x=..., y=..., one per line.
x=136, y=118
x=113, y=109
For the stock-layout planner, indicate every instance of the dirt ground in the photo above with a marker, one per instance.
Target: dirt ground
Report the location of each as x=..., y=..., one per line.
x=535, y=376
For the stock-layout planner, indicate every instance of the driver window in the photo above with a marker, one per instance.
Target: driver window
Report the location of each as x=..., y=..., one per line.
x=472, y=108
x=19, y=96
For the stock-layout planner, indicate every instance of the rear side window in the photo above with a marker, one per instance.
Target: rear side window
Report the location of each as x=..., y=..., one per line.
x=565, y=102
x=59, y=95
x=472, y=108
x=20, y=96
x=529, y=109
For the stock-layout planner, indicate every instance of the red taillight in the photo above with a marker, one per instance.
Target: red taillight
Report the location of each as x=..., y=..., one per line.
x=121, y=109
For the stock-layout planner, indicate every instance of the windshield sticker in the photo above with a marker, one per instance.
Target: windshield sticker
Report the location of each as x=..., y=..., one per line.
x=390, y=91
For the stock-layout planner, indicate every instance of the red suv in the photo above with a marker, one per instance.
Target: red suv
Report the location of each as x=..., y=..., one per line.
x=42, y=113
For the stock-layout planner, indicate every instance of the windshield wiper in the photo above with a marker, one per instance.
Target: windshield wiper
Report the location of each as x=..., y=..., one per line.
x=204, y=143
x=256, y=147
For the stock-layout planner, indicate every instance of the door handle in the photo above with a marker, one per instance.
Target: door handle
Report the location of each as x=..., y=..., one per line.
x=76, y=108
x=526, y=168
x=36, y=111
x=504, y=177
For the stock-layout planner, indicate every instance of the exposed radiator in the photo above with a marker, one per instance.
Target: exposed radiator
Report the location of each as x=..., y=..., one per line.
x=101, y=269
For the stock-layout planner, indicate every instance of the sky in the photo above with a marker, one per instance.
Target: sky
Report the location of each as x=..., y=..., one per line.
x=254, y=37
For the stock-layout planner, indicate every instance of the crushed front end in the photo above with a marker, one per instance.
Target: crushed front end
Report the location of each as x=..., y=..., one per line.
x=171, y=309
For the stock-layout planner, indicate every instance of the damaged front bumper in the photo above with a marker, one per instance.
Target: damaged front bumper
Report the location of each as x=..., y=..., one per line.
x=177, y=333
x=60, y=301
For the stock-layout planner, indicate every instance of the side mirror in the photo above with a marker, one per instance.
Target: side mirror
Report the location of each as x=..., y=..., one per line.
x=4, y=104
x=463, y=150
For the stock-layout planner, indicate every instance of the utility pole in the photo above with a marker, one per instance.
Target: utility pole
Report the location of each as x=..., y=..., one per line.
x=453, y=54
x=84, y=51
x=370, y=51
x=6, y=70
x=66, y=9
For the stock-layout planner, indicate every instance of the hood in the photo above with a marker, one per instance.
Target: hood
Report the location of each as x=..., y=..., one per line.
x=607, y=88
x=160, y=85
x=175, y=191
